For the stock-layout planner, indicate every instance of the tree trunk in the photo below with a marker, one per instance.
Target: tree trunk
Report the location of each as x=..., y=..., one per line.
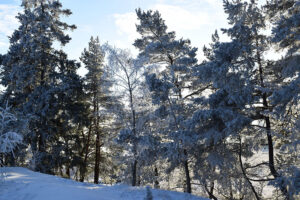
x=268, y=126
x=244, y=172
x=134, y=166
x=187, y=173
x=96, y=126
x=84, y=164
x=40, y=164
x=68, y=172
x=97, y=159
x=267, y=119
x=134, y=169
x=210, y=191
x=270, y=148
x=156, y=183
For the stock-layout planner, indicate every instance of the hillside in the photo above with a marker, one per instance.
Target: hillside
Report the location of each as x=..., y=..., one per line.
x=23, y=184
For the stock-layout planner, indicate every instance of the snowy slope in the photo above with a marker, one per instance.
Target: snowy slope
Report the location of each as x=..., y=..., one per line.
x=23, y=184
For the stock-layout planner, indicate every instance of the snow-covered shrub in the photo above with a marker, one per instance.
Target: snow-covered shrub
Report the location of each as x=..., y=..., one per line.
x=9, y=134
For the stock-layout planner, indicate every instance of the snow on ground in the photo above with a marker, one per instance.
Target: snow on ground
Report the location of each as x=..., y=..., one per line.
x=23, y=184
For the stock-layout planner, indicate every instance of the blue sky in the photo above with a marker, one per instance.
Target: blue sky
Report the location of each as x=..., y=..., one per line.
x=114, y=21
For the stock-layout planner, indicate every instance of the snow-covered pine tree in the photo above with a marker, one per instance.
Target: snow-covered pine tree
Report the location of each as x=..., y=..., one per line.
x=176, y=59
x=30, y=73
x=93, y=59
x=217, y=119
x=97, y=87
x=248, y=22
x=285, y=16
x=71, y=118
x=238, y=106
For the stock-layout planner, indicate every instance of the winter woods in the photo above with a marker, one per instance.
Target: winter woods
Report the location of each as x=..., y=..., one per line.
x=225, y=127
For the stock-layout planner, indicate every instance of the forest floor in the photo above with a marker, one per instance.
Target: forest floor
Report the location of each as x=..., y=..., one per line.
x=22, y=184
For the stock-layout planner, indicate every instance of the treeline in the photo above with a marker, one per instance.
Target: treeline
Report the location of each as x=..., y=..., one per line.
x=163, y=118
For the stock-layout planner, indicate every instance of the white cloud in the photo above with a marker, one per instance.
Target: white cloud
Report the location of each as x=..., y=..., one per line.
x=178, y=18
x=193, y=4
x=87, y=29
x=214, y=2
x=3, y=44
x=126, y=25
x=8, y=22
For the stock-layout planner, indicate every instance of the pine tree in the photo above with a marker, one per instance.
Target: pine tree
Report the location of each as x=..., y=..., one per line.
x=30, y=73
x=97, y=87
x=285, y=16
x=177, y=58
x=241, y=82
x=72, y=115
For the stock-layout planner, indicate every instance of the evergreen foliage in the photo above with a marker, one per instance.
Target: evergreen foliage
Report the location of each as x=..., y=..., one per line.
x=101, y=103
x=12, y=130
x=177, y=58
x=162, y=118
x=34, y=74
